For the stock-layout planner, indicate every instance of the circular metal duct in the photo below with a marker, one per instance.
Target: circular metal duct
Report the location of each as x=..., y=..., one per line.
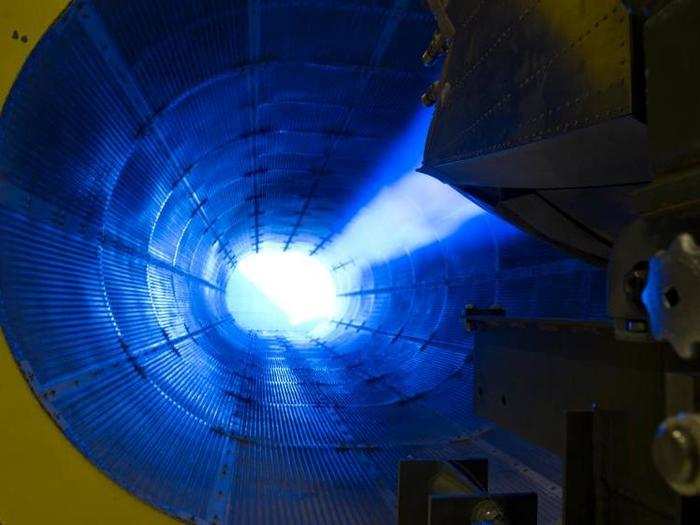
x=145, y=147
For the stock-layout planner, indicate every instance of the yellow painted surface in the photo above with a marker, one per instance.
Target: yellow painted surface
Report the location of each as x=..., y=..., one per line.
x=43, y=478
x=30, y=19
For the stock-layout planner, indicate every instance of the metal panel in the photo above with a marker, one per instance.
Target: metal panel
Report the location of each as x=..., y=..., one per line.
x=557, y=366
x=672, y=50
x=545, y=95
x=562, y=366
x=522, y=71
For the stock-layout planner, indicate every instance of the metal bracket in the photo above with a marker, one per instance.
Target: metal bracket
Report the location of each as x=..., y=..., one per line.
x=439, y=10
x=439, y=44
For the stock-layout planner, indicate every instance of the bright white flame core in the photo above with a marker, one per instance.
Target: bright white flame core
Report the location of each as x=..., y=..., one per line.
x=274, y=288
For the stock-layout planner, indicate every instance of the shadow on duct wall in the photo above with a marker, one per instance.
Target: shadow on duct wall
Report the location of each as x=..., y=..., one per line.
x=148, y=145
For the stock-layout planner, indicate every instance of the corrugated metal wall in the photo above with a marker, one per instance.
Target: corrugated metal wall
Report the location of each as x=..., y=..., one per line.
x=144, y=148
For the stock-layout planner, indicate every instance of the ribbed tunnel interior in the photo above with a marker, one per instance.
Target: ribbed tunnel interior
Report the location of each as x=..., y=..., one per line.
x=145, y=148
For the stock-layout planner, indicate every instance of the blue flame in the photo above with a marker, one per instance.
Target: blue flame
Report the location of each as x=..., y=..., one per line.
x=403, y=210
x=416, y=211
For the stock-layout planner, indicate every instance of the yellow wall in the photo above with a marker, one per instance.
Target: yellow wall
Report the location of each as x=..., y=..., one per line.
x=43, y=479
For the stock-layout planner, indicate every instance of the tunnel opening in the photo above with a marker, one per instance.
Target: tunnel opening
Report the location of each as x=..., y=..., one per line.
x=148, y=152
x=277, y=291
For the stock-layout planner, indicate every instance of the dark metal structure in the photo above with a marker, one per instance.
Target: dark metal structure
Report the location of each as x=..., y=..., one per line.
x=542, y=115
x=578, y=124
x=450, y=492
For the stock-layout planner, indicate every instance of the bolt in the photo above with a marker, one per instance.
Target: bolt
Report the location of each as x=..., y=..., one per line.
x=428, y=99
x=488, y=511
x=438, y=45
x=676, y=453
x=432, y=94
x=635, y=281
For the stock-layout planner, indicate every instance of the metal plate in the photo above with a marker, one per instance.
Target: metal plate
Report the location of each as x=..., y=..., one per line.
x=545, y=95
x=672, y=49
x=562, y=366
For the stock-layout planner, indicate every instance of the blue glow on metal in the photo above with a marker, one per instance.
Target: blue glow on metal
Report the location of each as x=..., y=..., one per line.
x=145, y=149
x=416, y=211
x=402, y=155
x=402, y=210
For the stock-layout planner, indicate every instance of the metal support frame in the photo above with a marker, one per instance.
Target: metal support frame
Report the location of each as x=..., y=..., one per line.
x=584, y=395
x=455, y=492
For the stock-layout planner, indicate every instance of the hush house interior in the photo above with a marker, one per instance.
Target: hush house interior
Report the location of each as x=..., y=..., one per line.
x=225, y=277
